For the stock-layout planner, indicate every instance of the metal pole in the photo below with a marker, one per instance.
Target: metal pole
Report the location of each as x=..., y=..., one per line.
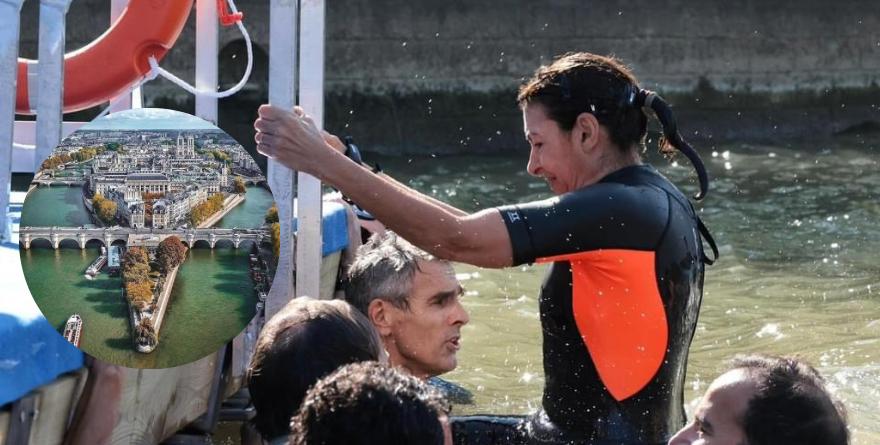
x=10, y=14
x=50, y=81
x=206, y=108
x=123, y=101
x=282, y=81
x=207, y=48
x=311, y=98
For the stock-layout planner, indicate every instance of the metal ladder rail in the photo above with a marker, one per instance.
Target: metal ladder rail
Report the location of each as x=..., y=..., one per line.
x=10, y=14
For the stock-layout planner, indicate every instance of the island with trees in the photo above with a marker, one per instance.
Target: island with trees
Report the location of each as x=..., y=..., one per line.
x=148, y=277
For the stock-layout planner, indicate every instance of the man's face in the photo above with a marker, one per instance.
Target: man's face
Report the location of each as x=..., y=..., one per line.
x=719, y=416
x=424, y=338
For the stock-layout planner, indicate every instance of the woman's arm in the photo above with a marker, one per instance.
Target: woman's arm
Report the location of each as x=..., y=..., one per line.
x=481, y=239
x=339, y=146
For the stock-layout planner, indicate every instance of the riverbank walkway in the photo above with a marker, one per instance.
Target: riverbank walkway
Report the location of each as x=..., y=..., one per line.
x=229, y=203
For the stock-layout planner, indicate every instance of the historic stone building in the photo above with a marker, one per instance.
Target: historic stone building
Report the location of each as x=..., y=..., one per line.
x=185, y=148
x=136, y=184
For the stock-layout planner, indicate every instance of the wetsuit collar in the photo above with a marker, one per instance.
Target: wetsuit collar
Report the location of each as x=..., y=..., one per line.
x=628, y=171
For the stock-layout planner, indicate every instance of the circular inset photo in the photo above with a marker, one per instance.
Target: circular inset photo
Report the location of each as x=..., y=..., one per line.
x=143, y=238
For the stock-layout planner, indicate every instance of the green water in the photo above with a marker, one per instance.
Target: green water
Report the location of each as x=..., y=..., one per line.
x=249, y=213
x=212, y=299
x=799, y=235
x=54, y=206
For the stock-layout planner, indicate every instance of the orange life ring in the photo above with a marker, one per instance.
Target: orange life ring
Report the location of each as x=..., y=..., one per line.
x=117, y=59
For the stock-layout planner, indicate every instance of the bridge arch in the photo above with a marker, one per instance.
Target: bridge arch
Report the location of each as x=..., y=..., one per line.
x=41, y=243
x=201, y=244
x=68, y=242
x=94, y=242
x=224, y=243
x=247, y=244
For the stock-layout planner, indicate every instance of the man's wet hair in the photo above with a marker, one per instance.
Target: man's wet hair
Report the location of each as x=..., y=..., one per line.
x=791, y=405
x=384, y=268
x=306, y=340
x=369, y=403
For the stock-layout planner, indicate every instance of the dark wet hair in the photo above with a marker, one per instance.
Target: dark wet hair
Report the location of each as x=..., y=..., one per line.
x=306, y=340
x=791, y=405
x=603, y=86
x=369, y=403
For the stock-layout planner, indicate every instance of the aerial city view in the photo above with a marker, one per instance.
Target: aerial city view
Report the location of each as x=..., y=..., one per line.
x=145, y=238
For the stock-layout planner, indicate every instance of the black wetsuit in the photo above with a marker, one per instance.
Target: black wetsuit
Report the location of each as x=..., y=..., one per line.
x=618, y=308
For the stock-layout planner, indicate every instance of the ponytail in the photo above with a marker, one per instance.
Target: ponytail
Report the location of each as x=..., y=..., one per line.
x=649, y=99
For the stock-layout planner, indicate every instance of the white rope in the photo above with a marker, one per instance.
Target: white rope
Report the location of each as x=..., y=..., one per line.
x=156, y=70
x=218, y=95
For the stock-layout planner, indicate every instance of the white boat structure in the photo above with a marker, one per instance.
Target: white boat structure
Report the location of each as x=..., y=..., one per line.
x=96, y=266
x=73, y=329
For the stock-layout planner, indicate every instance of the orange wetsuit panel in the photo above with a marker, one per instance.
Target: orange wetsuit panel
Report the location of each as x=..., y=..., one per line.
x=620, y=316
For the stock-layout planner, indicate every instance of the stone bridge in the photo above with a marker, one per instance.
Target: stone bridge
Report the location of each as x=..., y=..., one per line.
x=129, y=236
x=253, y=180
x=48, y=182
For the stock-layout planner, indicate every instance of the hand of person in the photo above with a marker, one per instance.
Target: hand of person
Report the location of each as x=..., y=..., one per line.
x=334, y=141
x=291, y=138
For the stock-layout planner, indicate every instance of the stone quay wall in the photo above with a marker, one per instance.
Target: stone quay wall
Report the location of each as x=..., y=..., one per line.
x=429, y=76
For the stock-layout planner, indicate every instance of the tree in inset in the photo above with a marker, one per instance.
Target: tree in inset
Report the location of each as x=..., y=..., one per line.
x=170, y=253
x=239, y=186
x=135, y=265
x=139, y=294
x=104, y=208
x=276, y=239
x=272, y=214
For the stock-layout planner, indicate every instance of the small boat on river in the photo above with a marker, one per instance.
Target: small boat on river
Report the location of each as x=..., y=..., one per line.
x=73, y=329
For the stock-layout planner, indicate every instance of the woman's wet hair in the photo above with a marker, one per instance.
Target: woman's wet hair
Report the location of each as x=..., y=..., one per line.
x=603, y=86
x=305, y=341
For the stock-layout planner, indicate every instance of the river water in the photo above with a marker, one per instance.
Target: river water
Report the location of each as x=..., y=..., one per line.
x=799, y=235
x=212, y=299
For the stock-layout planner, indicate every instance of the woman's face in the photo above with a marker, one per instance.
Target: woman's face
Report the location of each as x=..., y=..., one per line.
x=554, y=155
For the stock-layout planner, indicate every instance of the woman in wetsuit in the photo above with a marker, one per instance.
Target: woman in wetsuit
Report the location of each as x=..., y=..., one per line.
x=620, y=301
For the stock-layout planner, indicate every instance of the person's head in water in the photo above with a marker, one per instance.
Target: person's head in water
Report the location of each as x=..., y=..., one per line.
x=583, y=118
x=367, y=403
x=303, y=342
x=412, y=298
x=766, y=400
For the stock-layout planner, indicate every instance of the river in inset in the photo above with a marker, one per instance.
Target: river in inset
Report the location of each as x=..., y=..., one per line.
x=799, y=232
x=212, y=299
x=251, y=212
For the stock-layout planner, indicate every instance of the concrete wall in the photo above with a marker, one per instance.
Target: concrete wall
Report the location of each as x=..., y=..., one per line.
x=440, y=76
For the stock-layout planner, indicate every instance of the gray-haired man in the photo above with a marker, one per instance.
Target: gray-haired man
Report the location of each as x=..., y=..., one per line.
x=412, y=298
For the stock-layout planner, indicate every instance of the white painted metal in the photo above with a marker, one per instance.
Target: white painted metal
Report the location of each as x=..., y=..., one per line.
x=10, y=20
x=25, y=137
x=51, y=77
x=282, y=81
x=311, y=98
x=207, y=48
x=123, y=101
x=137, y=98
